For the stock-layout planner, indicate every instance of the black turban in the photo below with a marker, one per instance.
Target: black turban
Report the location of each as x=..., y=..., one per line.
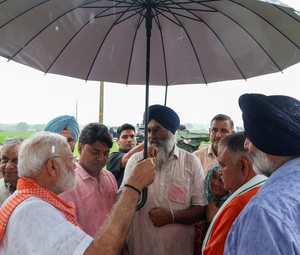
x=165, y=116
x=272, y=123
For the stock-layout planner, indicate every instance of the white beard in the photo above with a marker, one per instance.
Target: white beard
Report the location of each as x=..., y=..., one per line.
x=164, y=146
x=66, y=181
x=262, y=164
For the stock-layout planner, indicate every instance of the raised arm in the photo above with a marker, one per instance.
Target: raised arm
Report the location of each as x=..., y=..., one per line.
x=112, y=236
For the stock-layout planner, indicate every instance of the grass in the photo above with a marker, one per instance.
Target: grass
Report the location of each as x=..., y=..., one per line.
x=3, y=136
x=115, y=147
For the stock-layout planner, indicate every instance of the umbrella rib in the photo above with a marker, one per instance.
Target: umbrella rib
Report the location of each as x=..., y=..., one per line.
x=161, y=13
x=251, y=37
x=22, y=12
x=267, y=22
x=221, y=42
x=72, y=39
x=102, y=44
x=163, y=47
x=139, y=12
x=192, y=47
x=188, y=2
x=42, y=31
x=181, y=15
x=276, y=6
x=131, y=53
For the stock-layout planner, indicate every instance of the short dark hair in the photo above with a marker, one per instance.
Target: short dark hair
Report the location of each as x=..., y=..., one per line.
x=181, y=127
x=235, y=145
x=95, y=132
x=223, y=117
x=125, y=126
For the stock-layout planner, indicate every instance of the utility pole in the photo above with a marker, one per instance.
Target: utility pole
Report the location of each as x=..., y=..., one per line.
x=76, y=111
x=101, y=102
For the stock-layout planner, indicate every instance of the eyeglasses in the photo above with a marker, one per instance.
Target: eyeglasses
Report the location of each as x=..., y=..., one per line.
x=156, y=130
x=73, y=157
x=70, y=140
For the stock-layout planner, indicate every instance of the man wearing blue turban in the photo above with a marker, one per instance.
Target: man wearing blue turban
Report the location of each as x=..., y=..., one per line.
x=269, y=224
x=67, y=126
x=176, y=199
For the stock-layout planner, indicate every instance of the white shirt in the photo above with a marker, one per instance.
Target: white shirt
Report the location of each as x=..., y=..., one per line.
x=36, y=227
x=178, y=185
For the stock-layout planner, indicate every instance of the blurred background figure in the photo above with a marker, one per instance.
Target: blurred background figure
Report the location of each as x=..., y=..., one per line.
x=220, y=126
x=1, y=144
x=216, y=196
x=9, y=167
x=126, y=139
x=67, y=126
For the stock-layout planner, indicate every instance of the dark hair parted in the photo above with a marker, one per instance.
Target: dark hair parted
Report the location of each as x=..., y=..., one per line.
x=223, y=117
x=95, y=132
x=125, y=126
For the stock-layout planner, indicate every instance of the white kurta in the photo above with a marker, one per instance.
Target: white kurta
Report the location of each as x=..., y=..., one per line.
x=178, y=185
x=36, y=227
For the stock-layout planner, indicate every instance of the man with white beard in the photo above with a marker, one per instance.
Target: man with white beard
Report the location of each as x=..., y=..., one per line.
x=35, y=220
x=176, y=200
x=270, y=223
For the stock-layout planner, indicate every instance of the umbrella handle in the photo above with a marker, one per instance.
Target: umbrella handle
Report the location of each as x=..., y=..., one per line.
x=144, y=199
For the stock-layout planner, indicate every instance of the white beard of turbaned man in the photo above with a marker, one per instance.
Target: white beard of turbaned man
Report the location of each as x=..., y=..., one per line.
x=164, y=147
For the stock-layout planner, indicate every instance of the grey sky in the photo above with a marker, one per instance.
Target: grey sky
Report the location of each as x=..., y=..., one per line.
x=27, y=95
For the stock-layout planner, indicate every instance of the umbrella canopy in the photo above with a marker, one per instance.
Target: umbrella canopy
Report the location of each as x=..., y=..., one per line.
x=192, y=42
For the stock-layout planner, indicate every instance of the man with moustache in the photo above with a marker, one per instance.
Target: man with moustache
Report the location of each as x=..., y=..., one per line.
x=96, y=188
x=269, y=224
x=35, y=220
x=127, y=147
x=220, y=126
x=176, y=200
x=9, y=167
x=236, y=170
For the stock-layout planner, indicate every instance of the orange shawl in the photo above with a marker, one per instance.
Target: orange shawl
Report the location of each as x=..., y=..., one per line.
x=29, y=188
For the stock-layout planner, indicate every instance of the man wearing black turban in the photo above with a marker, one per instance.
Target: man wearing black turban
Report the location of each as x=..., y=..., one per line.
x=177, y=197
x=269, y=224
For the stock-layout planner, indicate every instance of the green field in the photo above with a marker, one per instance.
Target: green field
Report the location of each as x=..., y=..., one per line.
x=115, y=147
x=4, y=136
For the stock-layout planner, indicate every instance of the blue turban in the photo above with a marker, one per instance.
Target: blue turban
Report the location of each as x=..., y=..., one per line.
x=58, y=124
x=272, y=123
x=165, y=116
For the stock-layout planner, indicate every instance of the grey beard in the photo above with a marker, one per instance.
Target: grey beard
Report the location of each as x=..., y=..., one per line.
x=67, y=181
x=262, y=164
x=164, y=148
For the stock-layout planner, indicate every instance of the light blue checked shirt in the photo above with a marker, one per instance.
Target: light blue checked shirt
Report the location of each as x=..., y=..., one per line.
x=270, y=223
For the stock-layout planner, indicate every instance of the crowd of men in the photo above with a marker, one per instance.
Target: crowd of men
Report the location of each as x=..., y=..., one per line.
x=55, y=203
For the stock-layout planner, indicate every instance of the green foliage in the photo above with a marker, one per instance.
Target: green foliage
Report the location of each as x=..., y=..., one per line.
x=22, y=127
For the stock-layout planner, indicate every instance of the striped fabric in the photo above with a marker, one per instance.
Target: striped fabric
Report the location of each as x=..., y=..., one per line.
x=28, y=188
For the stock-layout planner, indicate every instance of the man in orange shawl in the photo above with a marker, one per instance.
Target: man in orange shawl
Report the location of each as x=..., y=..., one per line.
x=236, y=169
x=34, y=220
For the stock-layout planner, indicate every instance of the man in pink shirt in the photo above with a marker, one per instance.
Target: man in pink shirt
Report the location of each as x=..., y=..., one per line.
x=96, y=188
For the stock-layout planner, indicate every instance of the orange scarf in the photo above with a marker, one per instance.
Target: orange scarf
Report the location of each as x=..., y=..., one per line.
x=29, y=188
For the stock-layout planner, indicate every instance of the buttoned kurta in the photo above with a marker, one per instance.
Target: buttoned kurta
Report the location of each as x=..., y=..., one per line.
x=179, y=184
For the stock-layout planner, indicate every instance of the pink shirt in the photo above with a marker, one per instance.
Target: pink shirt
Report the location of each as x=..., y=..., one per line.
x=93, y=200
